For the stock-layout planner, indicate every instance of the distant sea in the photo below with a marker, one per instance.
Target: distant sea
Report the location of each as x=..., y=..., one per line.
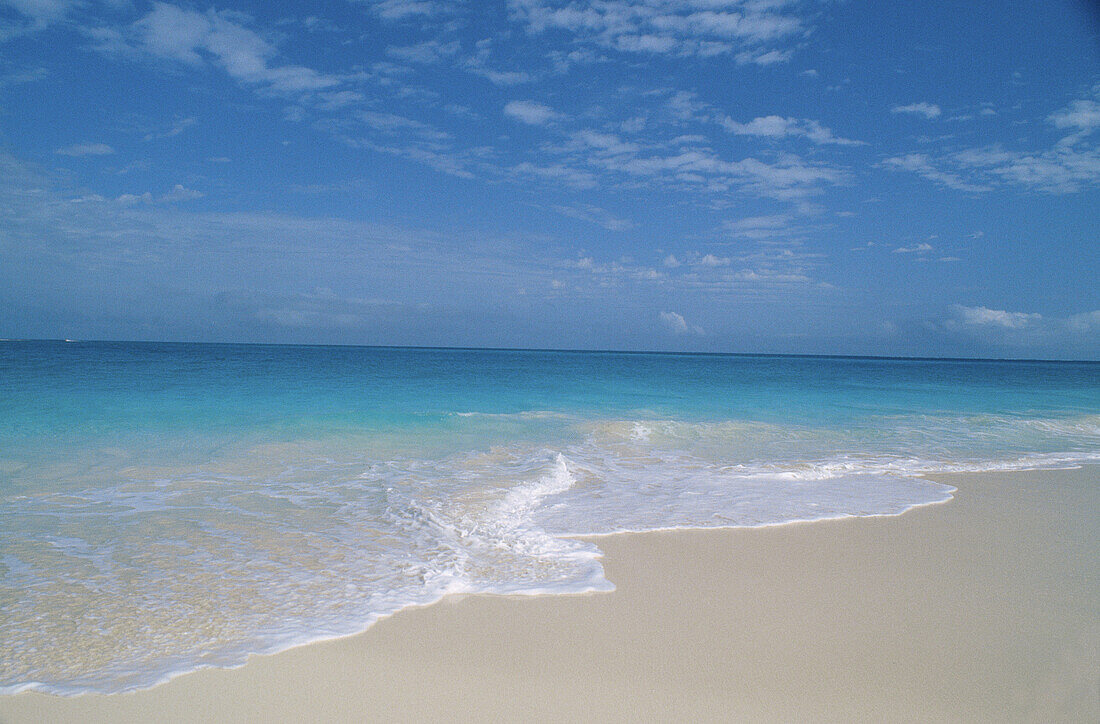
x=166, y=507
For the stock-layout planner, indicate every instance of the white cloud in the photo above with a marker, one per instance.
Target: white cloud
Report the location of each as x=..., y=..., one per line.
x=443, y=160
x=480, y=63
x=712, y=27
x=928, y=110
x=983, y=316
x=529, y=112
x=769, y=57
x=192, y=37
x=779, y=127
x=1083, y=116
x=1064, y=168
x=713, y=261
x=180, y=193
x=758, y=227
x=589, y=141
x=19, y=77
x=1026, y=332
x=176, y=129
x=404, y=137
x=1085, y=322
x=683, y=161
x=645, y=43
x=407, y=9
x=335, y=100
x=922, y=248
x=789, y=177
x=501, y=77
x=42, y=12
x=131, y=199
x=577, y=178
x=116, y=233
x=86, y=149
x=391, y=123
x=772, y=270
x=677, y=324
x=772, y=277
x=921, y=164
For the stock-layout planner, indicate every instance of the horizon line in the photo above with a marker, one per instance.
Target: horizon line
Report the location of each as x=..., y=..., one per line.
x=466, y=348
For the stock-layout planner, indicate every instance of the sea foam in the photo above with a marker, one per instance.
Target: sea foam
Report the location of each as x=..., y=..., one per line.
x=193, y=529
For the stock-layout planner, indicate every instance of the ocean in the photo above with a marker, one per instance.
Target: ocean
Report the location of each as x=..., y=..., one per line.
x=168, y=507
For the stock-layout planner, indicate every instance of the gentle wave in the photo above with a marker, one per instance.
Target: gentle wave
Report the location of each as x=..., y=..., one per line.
x=116, y=587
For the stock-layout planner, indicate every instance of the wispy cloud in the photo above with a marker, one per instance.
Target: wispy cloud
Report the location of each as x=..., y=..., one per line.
x=196, y=38
x=699, y=167
x=1060, y=170
x=984, y=316
x=481, y=63
x=921, y=248
x=320, y=309
x=172, y=131
x=764, y=57
x=760, y=32
x=922, y=165
x=178, y=193
x=406, y=10
x=1071, y=164
x=575, y=177
x=759, y=227
x=381, y=108
x=22, y=75
x=535, y=114
x=1024, y=333
x=1085, y=322
x=41, y=13
x=777, y=127
x=1083, y=116
x=86, y=149
x=500, y=77
x=595, y=215
x=928, y=110
x=391, y=123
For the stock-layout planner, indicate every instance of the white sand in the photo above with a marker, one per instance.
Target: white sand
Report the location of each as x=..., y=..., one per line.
x=986, y=608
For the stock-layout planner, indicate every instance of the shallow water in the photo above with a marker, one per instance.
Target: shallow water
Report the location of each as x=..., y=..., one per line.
x=168, y=506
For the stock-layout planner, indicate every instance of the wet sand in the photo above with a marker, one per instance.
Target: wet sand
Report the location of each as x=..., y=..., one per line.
x=986, y=608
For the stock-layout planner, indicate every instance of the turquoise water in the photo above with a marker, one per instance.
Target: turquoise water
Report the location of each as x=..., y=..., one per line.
x=166, y=507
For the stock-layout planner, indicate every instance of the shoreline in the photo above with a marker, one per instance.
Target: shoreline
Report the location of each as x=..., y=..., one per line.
x=709, y=622
x=594, y=538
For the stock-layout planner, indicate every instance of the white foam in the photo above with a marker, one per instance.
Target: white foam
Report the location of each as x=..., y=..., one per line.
x=190, y=568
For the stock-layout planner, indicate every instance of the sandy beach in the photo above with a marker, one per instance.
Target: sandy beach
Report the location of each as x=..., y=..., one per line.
x=549, y=361
x=986, y=608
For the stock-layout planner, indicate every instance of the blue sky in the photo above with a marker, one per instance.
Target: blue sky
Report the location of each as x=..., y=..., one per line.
x=746, y=176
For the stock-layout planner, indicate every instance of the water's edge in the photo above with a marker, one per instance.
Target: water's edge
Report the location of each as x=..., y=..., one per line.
x=608, y=588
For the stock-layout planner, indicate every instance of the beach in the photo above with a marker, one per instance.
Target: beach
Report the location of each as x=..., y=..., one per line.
x=549, y=361
x=984, y=608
